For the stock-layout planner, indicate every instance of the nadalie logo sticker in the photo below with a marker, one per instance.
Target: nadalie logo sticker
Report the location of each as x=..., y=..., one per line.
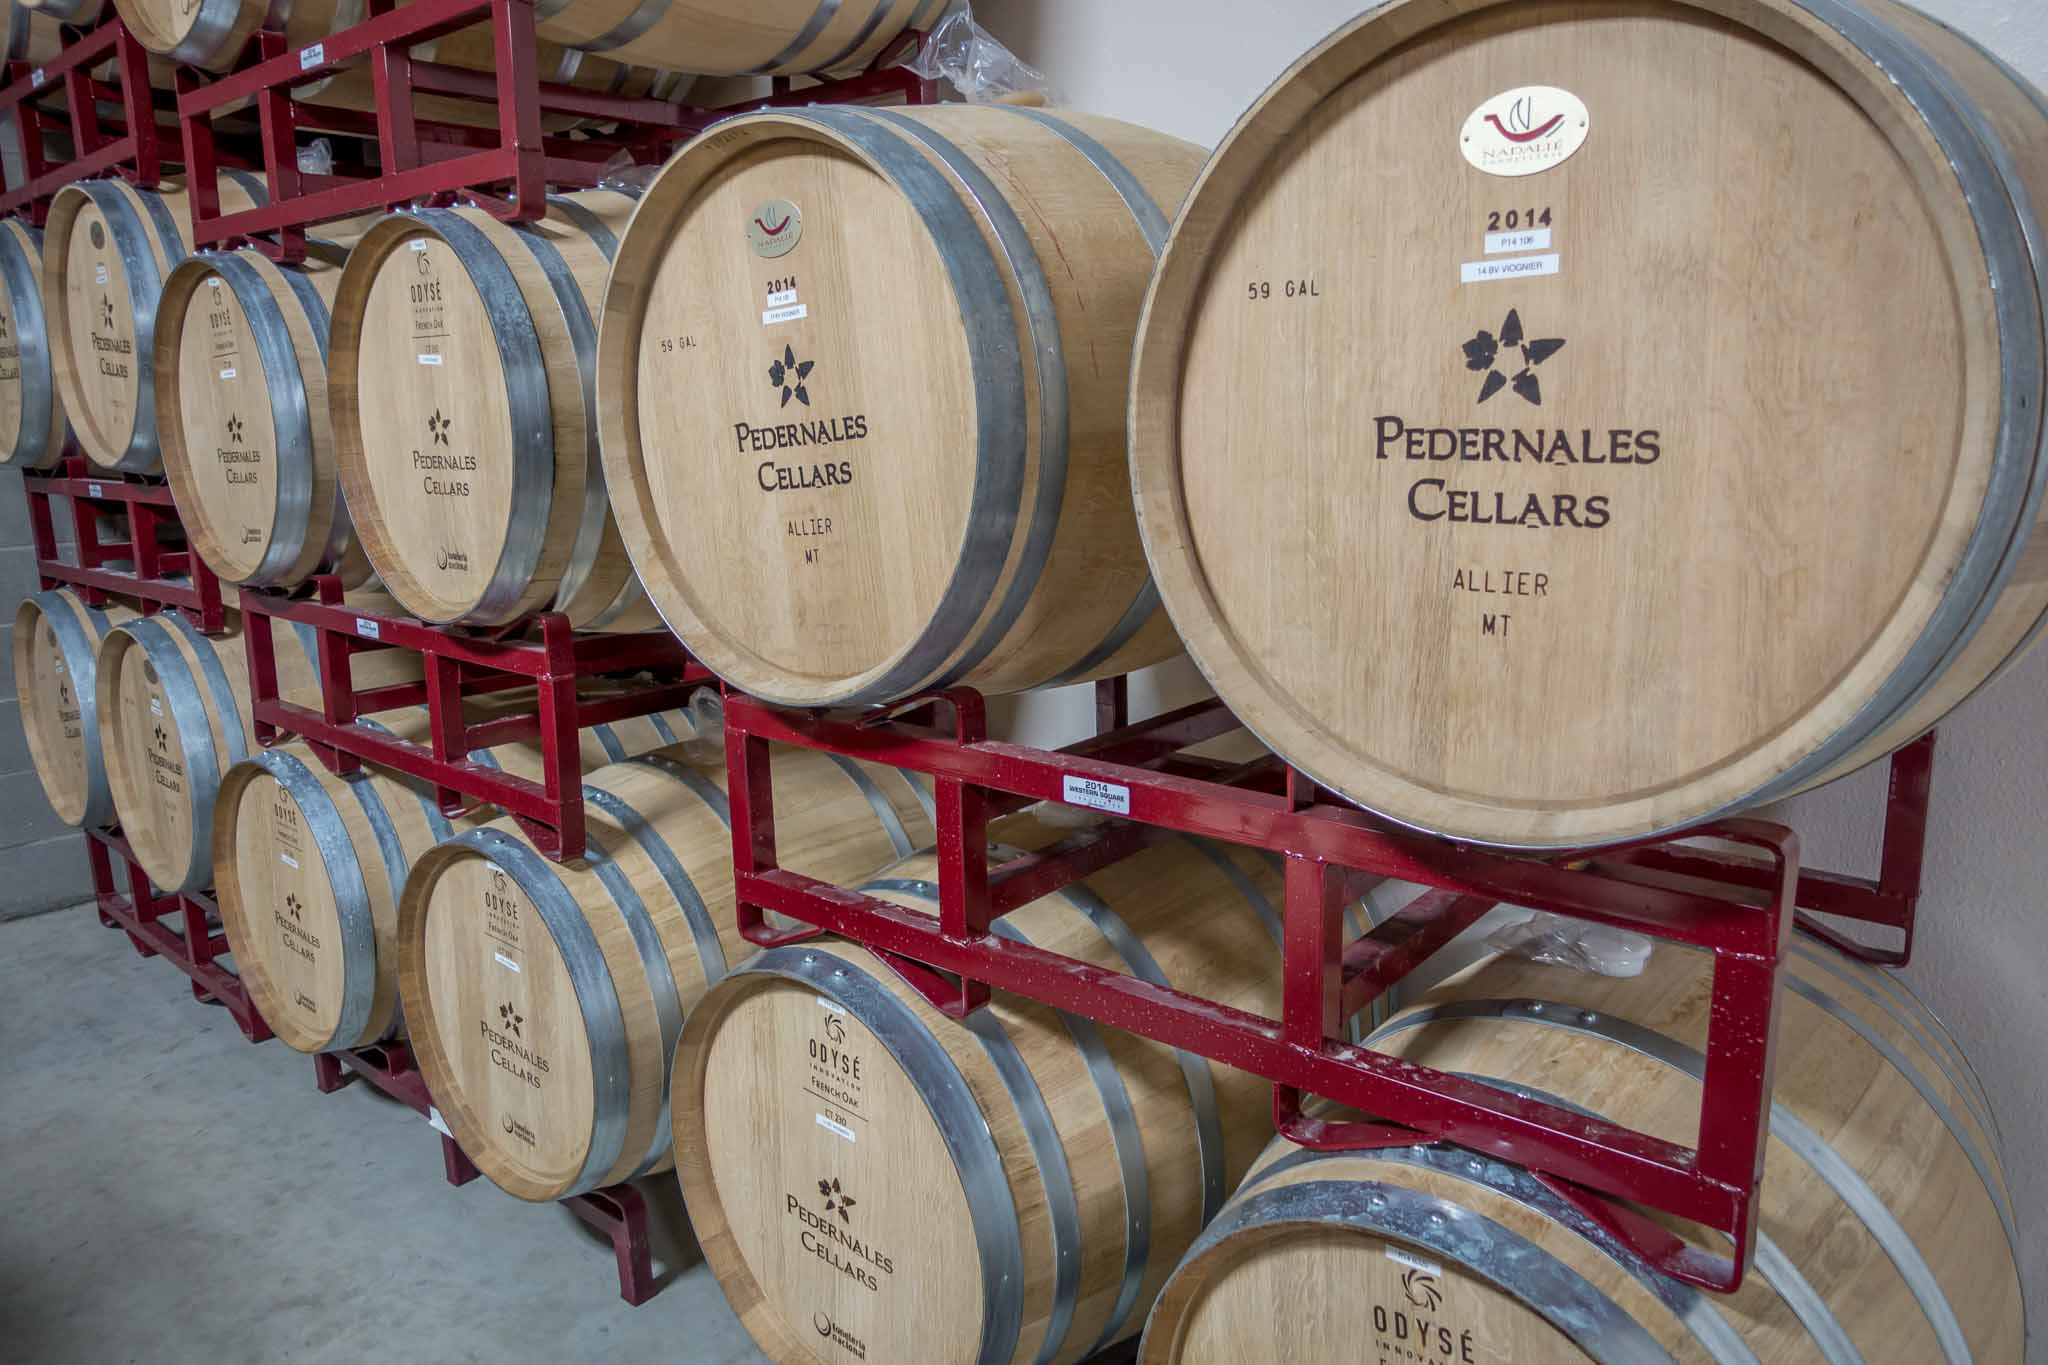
x=1525, y=130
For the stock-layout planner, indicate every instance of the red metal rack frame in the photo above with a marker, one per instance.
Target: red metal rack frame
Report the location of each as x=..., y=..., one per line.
x=160, y=575
x=195, y=947
x=1333, y=851
x=508, y=168
x=550, y=811
x=136, y=149
x=620, y=1213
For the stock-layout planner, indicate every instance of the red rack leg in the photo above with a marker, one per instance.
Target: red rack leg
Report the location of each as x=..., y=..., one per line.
x=620, y=1213
x=1312, y=954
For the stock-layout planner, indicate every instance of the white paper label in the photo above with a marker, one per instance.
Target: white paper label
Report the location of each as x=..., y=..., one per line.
x=35, y=77
x=793, y=313
x=836, y=1129
x=227, y=374
x=366, y=629
x=1399, y=1257
x=1517, y=268
x=782, y=298
x=156, y=706
x=437, y=1123
x=312, y=56
x=1086, y=791
x=417, y=244
x=99, y=272
x=288, y=860
x=430, y=360
x=1528, y=239
x=92, y=490
x=507, y=963
x=826, y=1002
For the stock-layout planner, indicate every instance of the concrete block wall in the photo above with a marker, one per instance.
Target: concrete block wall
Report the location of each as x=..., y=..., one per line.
x=42, y=861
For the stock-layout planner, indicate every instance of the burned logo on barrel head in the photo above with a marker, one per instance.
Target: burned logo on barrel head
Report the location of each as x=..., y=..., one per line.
x=1496, y=356
x=789, y=374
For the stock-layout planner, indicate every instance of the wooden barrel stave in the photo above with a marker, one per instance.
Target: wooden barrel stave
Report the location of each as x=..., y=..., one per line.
x=56, y=650
x=1012, y=240
x=250, y=351
x=108, y=247
x=537, y=532
x=612, y=952
x=743, y=38
x=1087, y=1160
x=1885, y=643
x=33, y=429
x=1885, y=1223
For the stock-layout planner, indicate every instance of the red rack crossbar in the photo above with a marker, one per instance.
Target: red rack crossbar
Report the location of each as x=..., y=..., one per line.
x=159, y=575
x=195, y=947
x=1745, y=921
x=550, y=811
x=135, y=148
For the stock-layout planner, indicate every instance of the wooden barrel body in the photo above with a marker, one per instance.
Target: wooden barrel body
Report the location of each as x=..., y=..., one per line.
x=56, y=658
x=309, y=867
x=736, y=37
x=175, y=716
x=463, y=382
x=107, y=249
x=1884, y=1223
x=870, y=1180
x=77, y=13
x=545, y=1000
x=1439, y=505
x=241, y=363
x=33, y=432
x=872, y=443
x=34, y=33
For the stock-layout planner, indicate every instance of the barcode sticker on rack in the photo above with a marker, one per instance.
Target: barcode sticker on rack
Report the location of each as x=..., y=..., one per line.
x=367, y=629
x=1086, y=791
x=35, y=77
x=312, y=56
x=92, y=490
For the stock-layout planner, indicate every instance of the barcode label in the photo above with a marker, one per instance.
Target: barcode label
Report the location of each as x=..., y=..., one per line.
x=1086, y=791
x=836, y=1129
x=505, y=962
x=312, y=56
x=367, y=629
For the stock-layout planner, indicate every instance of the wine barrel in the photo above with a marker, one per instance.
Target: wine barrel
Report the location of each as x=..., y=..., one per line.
x=1884, y=1233
x=35, y=33
x=309, y=867
x=33, y=432
x=545, y=999
x=462, y=380
x=241, y=363
x=175, y=716
x=870, y=1179
x=1359, y=390
x=56, y=652
x=930, y=487
x=737, y=37
x=106, y=250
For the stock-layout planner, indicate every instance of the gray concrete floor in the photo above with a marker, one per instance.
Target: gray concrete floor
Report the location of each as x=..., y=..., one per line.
x=171, y=1194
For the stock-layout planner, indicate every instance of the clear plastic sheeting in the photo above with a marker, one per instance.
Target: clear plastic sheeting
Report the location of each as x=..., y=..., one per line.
x=979, y=67
x=707, y=714
x=624, y=174
x=1564, y=942
x=317, y=157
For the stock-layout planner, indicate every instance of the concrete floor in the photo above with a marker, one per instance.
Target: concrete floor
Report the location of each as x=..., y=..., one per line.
x=173, y=1194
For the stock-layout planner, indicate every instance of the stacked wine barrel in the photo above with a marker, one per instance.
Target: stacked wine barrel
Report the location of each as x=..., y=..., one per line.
x=1464, y=530
x=463, y=387
x=310, y=866
x=107, y=249
x=57, y=640
x=33, y=429
x=544, y=1001
x=861, y=387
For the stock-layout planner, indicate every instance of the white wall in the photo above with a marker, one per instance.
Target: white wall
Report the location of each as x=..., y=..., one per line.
x=1190, y=67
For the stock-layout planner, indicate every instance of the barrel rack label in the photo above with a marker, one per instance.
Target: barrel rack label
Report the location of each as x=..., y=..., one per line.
x=1525, y=131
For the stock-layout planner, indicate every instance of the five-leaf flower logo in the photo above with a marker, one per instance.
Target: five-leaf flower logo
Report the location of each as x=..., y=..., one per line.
x=437, y=427
x=836, y=1200
x=1483, y=352
x=291, y=903
x=511, y=1019
x=234, y=430
x=789, y=376
x=106, y=312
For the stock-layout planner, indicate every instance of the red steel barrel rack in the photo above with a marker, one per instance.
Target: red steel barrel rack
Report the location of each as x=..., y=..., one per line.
x=1139, y=774
x=134, y=147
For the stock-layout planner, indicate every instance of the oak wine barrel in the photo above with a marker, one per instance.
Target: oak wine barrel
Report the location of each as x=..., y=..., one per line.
x=1884, y=1230
x=175, y=716
x=309, y=867
x=463, y=353
x=33, y=432
x=56, y=657
x=861, y=390
x=1458, y=525
x=545, y=1000
x=107, y=250
x=35, y=33
x=737, y=37
x=870, y=1180
x=241, y=364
